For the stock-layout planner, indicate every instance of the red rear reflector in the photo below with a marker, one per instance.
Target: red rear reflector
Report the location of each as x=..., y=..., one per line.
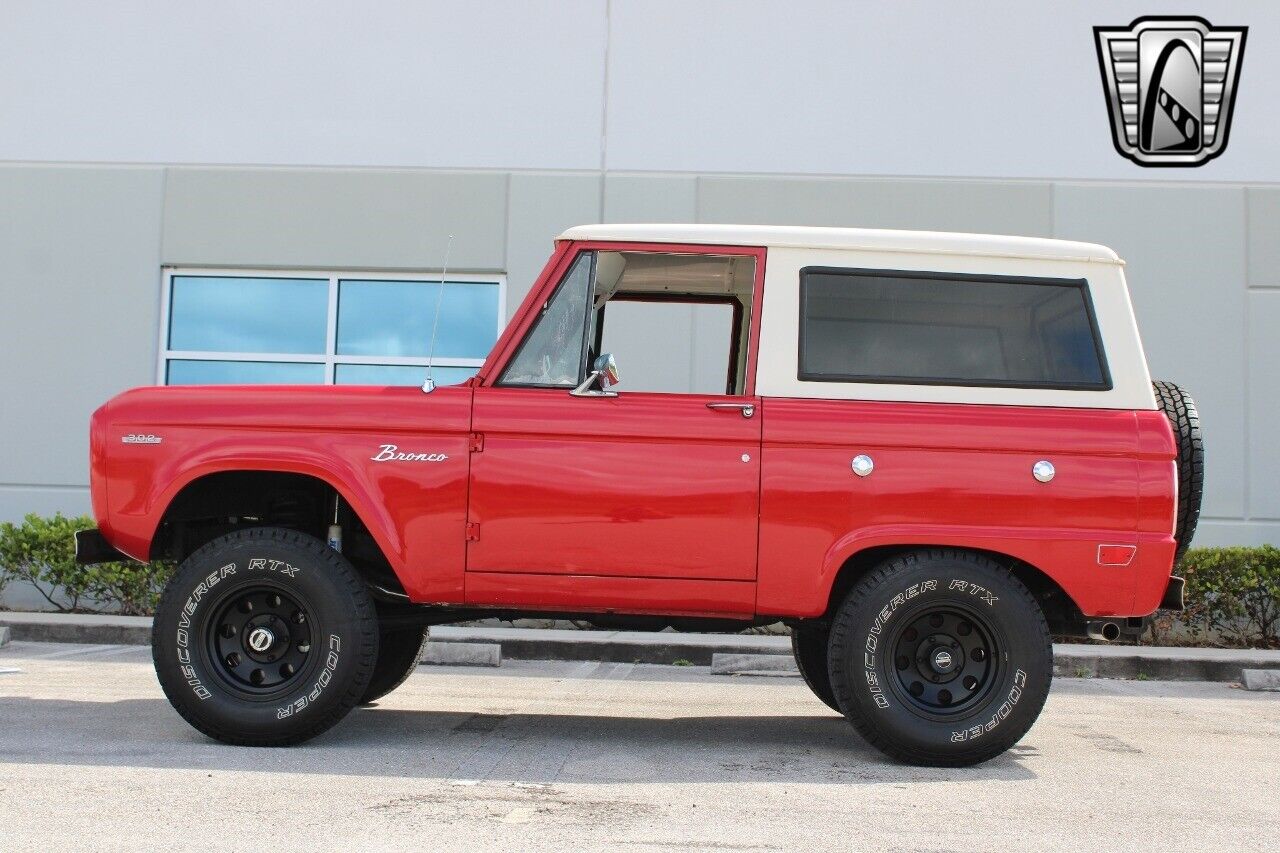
x=1116, y=555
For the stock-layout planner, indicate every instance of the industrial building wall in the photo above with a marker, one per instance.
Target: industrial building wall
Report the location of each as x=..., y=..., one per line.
x=82, y=250
x=332, y=136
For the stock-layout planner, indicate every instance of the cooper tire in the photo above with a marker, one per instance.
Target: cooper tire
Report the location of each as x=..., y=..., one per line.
x=940, y=658
x=264, y=637
x=809, y=645
x=398, y=656
x=1180, y=409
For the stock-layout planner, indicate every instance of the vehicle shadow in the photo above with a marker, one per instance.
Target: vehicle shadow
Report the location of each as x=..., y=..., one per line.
x=516, y=746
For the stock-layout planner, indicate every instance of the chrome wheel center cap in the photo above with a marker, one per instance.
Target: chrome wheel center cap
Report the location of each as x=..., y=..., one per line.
x=942, y=660
x=261, y=639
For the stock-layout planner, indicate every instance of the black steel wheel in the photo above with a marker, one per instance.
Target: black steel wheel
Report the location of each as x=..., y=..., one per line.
x=259, y=640
x=940, y=657
x=945, y=658
x=264, y=637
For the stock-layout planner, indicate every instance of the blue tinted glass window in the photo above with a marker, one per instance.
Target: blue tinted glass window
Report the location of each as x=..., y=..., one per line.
x=399, y=374
x=382, y=318
x=234, y=314
x=191, y=372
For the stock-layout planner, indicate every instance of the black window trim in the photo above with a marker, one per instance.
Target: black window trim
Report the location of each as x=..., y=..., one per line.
x=1081, y=284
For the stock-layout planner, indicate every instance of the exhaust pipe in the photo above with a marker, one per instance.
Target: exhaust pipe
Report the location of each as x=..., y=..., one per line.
x=1106, y=631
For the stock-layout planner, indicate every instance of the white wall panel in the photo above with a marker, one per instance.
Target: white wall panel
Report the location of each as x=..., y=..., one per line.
x=848, y=87
x=963, y=89
x=304, y=82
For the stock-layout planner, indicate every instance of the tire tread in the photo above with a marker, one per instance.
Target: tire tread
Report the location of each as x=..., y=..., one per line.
x=365, y=619
x=841, y=645
x=804, y=641
x=1183, y=416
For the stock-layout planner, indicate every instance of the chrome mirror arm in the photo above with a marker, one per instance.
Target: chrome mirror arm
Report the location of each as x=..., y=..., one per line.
x=588, y=387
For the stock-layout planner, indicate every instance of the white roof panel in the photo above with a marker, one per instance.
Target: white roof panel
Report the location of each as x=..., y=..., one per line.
x=870, y=239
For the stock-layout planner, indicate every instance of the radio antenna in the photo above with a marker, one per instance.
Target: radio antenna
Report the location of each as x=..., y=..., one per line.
x=429, y=384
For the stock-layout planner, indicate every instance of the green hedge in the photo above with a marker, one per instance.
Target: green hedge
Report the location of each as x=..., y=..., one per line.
x=1233, y=594
x=41, y=551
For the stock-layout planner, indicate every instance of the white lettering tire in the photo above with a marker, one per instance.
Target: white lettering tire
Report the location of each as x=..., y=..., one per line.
x=940, y=657
x=265, y=637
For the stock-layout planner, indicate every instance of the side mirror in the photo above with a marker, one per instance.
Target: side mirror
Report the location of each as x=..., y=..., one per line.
x=603, y=376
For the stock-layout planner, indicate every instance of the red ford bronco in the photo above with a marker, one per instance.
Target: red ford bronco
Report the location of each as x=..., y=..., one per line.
x=926, y=453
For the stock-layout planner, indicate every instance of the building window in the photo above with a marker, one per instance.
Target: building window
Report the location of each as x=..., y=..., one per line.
x=233, y=327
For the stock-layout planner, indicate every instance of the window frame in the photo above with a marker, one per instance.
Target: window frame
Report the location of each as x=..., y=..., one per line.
x=1081, y=284
x=735, y=338
x=566, y=251
x=330, y=357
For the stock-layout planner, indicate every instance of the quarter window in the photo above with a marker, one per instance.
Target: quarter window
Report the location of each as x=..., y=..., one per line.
x=351, y=329
x=927, y=328
x=553, y=352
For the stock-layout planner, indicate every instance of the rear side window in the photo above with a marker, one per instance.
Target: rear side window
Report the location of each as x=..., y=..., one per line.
x=925, y=328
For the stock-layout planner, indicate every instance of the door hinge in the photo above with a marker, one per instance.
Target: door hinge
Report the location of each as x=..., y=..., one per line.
x=473, y=531
x=477, y=442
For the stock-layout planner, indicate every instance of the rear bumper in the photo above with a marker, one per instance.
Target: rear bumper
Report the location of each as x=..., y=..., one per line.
x=92, y=547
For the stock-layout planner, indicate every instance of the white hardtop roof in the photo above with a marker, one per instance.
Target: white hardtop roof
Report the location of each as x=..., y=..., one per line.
x=867, y=239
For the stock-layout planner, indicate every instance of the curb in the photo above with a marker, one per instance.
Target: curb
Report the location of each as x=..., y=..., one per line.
x=1261, y=679
x=461, y=654
x=1081, y=661
x=666, y=647
x=77, y=628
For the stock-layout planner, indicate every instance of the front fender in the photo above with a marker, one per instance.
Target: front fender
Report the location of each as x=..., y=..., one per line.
x=137, y=518
x=156, y=441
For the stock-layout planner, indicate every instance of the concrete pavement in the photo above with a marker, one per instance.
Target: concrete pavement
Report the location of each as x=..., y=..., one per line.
x=584, y=755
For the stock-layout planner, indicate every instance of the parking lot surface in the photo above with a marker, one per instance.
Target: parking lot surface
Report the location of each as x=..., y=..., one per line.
x=572, y=756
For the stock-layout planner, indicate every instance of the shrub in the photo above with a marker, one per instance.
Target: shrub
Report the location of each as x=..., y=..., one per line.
x=41, y=551
x=1233, y=593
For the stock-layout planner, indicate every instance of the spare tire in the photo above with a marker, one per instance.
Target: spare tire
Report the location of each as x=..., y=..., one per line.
x=1180, y=409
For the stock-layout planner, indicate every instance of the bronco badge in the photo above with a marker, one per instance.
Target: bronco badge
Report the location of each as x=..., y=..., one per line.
x=391, y=453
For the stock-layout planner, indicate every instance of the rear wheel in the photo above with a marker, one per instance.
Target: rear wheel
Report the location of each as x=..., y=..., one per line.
x=809, y=645
x=264, y=637
x=1180, y=409
x=398, y=656
x=940, y=658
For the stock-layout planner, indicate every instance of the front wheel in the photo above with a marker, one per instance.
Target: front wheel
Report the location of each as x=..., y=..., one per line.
x=940, y=658
x=264, y=637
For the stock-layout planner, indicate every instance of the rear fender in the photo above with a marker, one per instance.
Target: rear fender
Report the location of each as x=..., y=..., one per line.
x=1068, y=557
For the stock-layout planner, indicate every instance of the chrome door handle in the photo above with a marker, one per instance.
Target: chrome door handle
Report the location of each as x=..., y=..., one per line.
x=747, y=409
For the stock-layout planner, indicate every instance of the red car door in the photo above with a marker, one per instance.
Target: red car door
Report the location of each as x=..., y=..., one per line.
x=578, y=493
x=638, y=485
